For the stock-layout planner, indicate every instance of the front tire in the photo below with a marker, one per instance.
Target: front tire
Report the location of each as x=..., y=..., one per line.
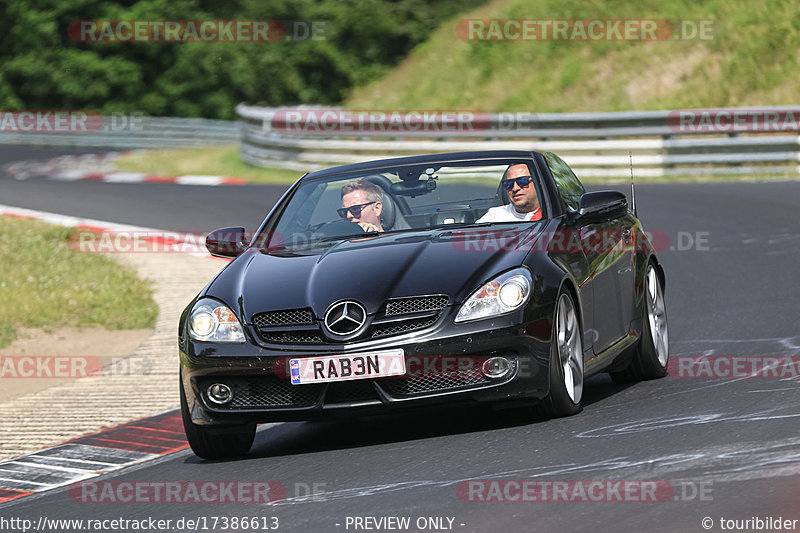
x=214, y=442
x=649, y=360
x=566, y=361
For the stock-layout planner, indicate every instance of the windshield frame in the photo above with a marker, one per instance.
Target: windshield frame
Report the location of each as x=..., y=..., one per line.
x=261, y=238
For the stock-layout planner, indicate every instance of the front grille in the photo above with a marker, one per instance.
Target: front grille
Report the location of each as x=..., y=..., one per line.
x=403, y=326
x=351, y=391
x=417, y=304
x=267, y=392
x=289, y=317
x=400, y=324
x=278, y=326
x=398, y=316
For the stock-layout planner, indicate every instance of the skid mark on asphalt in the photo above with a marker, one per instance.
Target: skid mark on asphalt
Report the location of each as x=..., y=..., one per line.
x=732, y=462
x=92, y=455
x=654, y=424
x=771, y=346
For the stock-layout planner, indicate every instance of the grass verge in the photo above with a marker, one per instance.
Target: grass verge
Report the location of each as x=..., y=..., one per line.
x=207, y=160
x=46, y=285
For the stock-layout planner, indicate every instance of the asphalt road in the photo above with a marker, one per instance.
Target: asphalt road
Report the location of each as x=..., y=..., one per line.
x=729, y=447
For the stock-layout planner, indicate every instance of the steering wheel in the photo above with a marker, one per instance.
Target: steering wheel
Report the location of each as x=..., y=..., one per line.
x=338, y=228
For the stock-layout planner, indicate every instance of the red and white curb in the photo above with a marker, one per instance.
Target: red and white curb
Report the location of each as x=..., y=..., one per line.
x=100, y=167
x=190, y=243
x=92, y=455
x=136, y=177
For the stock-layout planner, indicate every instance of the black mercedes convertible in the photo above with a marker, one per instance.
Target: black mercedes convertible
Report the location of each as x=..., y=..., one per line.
x=439, y=279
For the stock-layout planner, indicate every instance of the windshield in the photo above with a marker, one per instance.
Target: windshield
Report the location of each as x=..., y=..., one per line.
x=403, y=199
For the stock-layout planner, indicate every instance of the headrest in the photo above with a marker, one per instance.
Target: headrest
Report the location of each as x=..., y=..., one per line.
x=389, y=210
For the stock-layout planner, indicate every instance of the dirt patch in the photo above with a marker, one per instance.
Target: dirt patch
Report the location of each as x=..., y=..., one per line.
x=665, y=76
x=61, y=355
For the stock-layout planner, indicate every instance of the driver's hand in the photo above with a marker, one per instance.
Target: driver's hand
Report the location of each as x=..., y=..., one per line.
x=368, y=227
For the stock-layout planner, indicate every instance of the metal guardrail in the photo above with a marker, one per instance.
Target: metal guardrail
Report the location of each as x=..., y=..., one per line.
x=595, y=144
x=131, y=132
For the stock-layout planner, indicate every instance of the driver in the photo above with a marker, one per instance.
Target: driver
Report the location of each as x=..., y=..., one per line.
x=517, y=183
x=362, y=205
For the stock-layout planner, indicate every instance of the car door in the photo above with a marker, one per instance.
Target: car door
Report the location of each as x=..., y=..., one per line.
x=610, y=274
x=607, y=246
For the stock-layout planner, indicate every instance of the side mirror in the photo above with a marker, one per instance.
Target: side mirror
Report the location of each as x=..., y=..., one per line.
x=601, y=206
x=227, y=242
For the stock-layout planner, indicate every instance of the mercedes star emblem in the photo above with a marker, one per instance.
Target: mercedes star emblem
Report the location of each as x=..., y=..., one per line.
x=345, y=318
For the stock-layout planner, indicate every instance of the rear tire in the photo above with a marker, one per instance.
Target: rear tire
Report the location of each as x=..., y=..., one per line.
x=216, y=442
x=649, y=359
x=566, y=361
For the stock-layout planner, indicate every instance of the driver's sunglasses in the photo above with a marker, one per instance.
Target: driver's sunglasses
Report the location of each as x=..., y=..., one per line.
x=522, y=181
x=355, y=210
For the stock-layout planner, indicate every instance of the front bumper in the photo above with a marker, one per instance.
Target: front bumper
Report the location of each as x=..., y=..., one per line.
x=263, y=391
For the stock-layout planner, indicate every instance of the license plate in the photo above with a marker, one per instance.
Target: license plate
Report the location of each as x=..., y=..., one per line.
x=365, y=365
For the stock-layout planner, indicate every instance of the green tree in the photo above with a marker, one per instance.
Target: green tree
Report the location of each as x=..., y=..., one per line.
x=41, y=67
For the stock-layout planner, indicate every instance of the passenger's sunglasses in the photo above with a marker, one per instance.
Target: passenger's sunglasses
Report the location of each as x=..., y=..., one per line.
x=355, y=210
x=522, y=181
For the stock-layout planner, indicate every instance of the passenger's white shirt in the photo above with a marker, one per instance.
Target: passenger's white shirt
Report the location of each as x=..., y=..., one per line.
x=506, y=213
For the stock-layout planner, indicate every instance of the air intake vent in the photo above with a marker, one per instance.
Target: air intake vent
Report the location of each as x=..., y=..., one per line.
x=289, y=317
x=417, y=304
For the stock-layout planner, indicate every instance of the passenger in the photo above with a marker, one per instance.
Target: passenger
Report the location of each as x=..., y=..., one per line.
x=518, y=184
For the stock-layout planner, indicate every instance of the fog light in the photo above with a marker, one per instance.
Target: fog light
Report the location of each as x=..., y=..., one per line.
x=496, y=367
x=219, y=393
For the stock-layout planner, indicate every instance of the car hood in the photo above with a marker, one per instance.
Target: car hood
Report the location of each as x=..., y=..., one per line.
x=373, y=269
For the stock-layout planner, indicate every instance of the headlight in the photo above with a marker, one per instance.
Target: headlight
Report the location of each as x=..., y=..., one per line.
x=211, y=321
x=505, y=293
